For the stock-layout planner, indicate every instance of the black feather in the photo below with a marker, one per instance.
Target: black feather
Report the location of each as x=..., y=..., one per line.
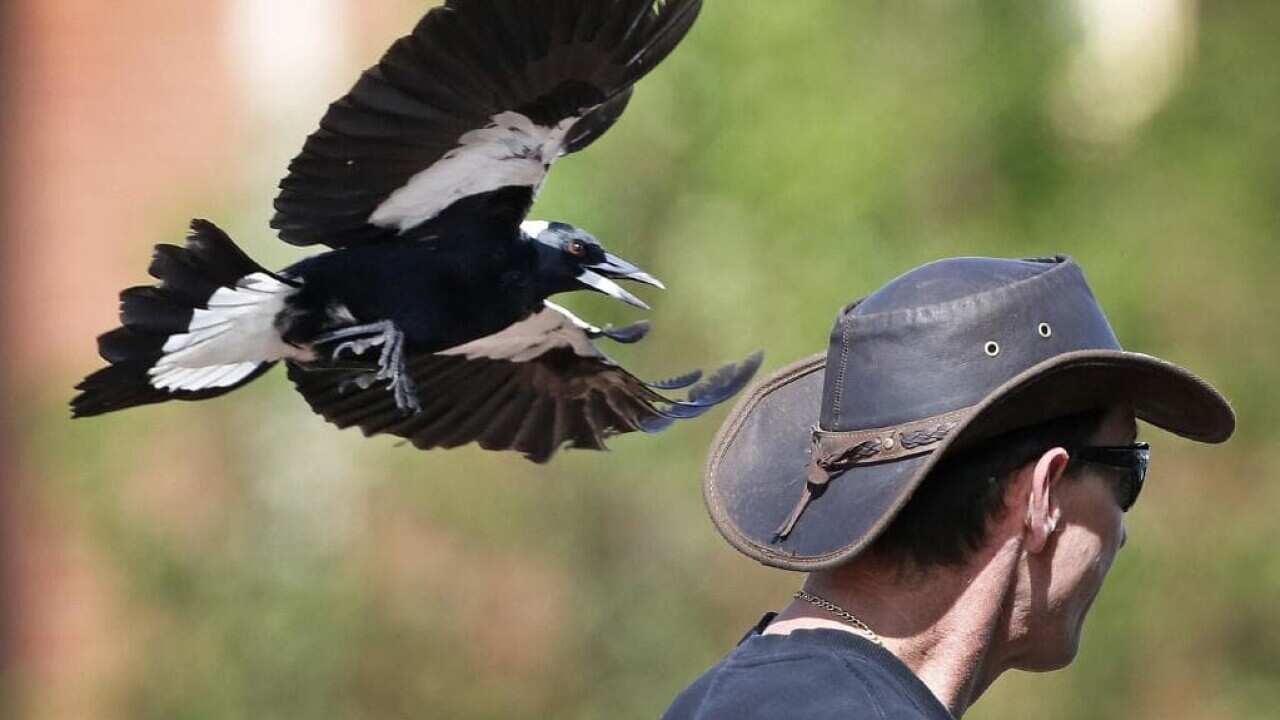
x=679, y=382
x=188, y=276
x=153, y=311
x=463, y=64
x=627, y=334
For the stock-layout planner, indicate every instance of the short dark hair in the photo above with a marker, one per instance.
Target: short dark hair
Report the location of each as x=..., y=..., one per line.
x=946, y=518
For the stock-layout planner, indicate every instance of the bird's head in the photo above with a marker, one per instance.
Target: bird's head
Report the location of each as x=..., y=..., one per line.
x=570, y=258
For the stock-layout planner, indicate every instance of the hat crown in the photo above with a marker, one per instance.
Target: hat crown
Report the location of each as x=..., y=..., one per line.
x=947, y=280
x=942, y=336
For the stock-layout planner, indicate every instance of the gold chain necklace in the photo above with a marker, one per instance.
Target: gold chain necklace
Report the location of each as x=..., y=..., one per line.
x=860, y=627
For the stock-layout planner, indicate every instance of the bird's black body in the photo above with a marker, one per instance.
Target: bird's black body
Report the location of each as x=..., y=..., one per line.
x=439, y=295
x=429, y=317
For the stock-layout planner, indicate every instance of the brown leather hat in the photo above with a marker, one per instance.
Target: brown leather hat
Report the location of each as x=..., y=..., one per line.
x=812, y=465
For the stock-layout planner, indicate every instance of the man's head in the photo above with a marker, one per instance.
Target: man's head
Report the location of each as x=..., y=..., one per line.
x=1072, y=530
x=1029, y=492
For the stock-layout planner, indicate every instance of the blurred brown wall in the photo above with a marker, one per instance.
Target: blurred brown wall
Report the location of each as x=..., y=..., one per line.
x=116, y=120
x=6, y=538
x=110, y=109
x=116, y=105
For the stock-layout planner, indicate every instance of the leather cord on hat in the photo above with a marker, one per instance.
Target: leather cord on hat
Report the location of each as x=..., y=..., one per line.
x=820, y=471
x=833, y=453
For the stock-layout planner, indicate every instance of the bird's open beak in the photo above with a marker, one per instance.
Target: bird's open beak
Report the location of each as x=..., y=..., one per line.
x=598, y=277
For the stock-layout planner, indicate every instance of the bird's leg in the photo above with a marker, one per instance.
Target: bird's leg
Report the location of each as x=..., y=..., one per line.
x=392, y=366
x=367, y=336
x=391, y=361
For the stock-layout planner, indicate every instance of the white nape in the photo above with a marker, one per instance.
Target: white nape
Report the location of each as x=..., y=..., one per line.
x=511, y=151
x=229, y=338
x=534, y=228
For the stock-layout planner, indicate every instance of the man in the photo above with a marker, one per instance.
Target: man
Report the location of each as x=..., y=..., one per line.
x=952, y=473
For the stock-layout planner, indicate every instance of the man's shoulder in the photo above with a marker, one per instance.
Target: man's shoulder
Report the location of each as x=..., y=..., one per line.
x=774, y=681
x=811, y=674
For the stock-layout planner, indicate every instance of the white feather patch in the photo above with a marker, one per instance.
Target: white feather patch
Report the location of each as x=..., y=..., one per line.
x=577, y=321
x=534, y=228
x=227, y=341
x=551, y=328
x=511, y=150
x=193, y=379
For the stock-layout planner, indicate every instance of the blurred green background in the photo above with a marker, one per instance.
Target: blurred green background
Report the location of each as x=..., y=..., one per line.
x=240, y=558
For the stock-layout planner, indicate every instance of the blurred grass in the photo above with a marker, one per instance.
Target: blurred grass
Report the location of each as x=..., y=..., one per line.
x=789, y=158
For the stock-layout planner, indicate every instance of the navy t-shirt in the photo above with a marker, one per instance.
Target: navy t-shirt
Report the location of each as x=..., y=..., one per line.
x=811, y=674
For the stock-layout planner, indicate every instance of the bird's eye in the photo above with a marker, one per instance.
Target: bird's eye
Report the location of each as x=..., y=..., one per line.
x=576, y=248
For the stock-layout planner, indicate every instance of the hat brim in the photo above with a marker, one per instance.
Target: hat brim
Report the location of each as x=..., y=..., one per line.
x=756, y=469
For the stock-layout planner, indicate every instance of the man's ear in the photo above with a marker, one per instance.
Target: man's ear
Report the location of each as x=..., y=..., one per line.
x=1043, y=509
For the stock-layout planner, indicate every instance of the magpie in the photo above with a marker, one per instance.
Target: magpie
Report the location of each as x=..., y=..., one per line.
x=429, y=316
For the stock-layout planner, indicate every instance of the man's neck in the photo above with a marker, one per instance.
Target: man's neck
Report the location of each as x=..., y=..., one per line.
x=945, y=628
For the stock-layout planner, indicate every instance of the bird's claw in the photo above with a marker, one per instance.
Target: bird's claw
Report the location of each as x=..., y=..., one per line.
x=363, y=381
x=405, y=394
x=356, y=347
x=392, y=367
x=391, y=363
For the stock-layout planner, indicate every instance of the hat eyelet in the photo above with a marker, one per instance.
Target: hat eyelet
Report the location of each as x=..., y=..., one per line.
x=992, y=348
x=1045, y=330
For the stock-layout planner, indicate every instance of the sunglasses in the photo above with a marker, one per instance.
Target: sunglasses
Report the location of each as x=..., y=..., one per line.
x=1133, y=459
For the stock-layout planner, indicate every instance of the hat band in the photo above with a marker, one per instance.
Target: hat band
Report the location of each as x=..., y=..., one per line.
x=834, y=452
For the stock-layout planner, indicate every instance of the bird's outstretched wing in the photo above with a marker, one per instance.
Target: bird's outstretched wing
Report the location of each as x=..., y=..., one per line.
x=475, y=105
x=535, y=387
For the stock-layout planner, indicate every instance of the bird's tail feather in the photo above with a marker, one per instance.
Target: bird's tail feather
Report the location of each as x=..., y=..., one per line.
x=204, y=330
